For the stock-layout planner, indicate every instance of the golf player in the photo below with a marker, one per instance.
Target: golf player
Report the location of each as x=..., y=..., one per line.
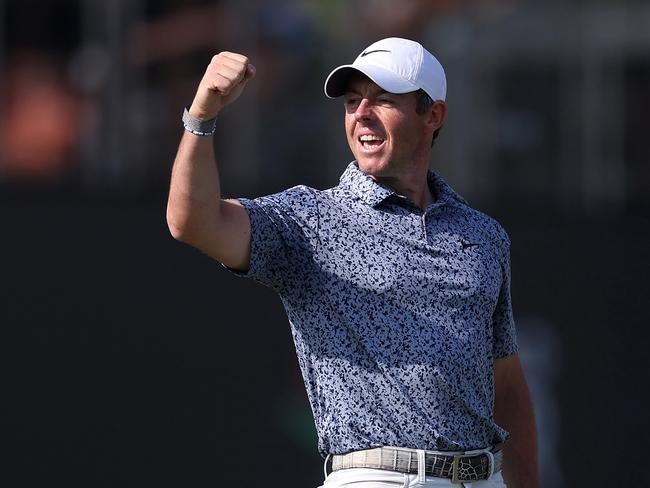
x=396, y=290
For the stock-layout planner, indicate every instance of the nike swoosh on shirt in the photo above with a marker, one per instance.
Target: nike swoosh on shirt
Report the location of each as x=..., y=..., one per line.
x=468, y=244
x=374, y=51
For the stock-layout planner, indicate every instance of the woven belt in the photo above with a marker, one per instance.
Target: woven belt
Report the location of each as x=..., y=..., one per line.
x=465, y=468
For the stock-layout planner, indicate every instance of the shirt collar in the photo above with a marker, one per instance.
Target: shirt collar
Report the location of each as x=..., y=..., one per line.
x=373, y=193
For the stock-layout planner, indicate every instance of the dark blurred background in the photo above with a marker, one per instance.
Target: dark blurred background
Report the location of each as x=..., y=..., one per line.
x=129, y=359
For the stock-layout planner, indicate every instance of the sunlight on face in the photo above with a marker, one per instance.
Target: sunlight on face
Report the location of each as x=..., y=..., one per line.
x=385, y=133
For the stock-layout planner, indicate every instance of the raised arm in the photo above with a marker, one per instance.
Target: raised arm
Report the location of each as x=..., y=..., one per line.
x=196, y=214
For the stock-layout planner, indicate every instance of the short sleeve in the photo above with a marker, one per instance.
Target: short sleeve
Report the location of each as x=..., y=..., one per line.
x=503, y=323
x=284, y=237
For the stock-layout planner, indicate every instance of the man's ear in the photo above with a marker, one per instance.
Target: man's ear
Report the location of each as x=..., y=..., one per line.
x=436, y=115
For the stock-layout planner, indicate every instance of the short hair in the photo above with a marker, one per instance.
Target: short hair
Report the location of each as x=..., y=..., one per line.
x=423, y=102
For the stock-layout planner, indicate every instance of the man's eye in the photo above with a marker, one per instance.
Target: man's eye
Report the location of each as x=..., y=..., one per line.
x=351, y=103
x=385, y=100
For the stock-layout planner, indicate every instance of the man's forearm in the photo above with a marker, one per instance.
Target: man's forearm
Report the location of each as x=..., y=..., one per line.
x=514, y=412
x=520, y=452
x=194, y=191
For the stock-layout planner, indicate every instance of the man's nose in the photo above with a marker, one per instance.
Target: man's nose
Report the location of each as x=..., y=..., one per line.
x=364, y=110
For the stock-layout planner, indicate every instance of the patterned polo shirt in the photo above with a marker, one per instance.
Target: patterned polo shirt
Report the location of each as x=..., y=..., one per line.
x=397, y=313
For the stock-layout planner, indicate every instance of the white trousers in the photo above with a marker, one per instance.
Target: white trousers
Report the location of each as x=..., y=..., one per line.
x=380, y=478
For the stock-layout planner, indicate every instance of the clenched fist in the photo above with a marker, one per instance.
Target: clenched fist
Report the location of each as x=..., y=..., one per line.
x=222, y=83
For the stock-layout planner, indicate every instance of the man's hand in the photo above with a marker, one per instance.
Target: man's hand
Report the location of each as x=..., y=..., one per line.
x=222, y=84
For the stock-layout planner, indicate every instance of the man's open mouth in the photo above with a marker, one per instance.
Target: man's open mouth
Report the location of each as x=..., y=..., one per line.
x=370, y=141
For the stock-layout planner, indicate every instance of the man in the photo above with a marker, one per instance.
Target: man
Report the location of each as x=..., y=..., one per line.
x=398, y=293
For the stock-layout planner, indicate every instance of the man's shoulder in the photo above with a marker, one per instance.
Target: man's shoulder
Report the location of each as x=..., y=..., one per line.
x=302, y=198
x=299, y=195
x=488, y=226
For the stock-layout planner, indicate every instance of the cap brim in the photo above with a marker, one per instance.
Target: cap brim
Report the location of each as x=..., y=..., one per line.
x=337, y=81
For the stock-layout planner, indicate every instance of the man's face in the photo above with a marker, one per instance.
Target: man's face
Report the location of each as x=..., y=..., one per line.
x=385, y=133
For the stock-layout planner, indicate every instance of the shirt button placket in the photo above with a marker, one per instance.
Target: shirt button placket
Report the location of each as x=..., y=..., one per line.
x=427, y=215
x=424, y=228
x=419, y=226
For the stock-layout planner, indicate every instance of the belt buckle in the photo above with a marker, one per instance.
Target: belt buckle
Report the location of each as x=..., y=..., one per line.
x=455, y=468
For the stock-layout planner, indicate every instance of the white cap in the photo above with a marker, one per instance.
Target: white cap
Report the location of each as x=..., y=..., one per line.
x=397, y=66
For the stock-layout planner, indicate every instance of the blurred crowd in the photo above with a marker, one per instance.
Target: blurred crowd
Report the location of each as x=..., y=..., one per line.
x=92, y=91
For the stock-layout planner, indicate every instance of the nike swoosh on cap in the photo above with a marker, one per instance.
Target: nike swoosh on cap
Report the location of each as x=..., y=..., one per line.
x=374, y=51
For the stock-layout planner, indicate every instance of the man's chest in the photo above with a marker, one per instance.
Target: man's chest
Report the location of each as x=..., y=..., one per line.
x=404, y=254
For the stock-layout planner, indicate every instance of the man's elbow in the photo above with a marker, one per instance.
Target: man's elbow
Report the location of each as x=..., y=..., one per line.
x=187, y=220
x=180, y=225
x=178, y=232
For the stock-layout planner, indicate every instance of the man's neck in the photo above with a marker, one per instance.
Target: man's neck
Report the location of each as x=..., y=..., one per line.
x=415, y=188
